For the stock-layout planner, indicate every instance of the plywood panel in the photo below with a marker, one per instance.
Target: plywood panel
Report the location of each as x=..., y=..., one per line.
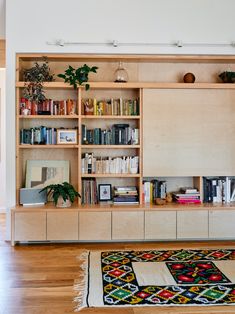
x=192, y=224
x=127, y=225
x=30, y=226
x=189, y=132
x=62, y=226
x=95, y=226
x=2, y=53
x=160, y=225
x=222, y=224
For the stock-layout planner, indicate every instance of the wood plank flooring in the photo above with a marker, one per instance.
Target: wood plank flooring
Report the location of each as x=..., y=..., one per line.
x=38, y=279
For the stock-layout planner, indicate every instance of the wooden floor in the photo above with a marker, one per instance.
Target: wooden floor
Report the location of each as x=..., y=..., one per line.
x=39, y=278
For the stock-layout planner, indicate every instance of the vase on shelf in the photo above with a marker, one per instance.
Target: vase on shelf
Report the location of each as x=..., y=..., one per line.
x=121, y=75
x=63, y=204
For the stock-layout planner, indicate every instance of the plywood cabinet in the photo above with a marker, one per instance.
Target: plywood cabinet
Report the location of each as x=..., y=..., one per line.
x=62, y=226
x=222, y=224
x=192, y=224
x=30, y=226
x=128, y=225
x=95, y=226
x=160, y=225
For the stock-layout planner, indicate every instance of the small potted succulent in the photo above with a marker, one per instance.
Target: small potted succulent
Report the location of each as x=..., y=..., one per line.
x=78, y=76
x=63, y=194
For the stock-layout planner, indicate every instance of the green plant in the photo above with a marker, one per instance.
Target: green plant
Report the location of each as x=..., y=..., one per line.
x=65, y=190
x=34, y=78
x=78, y=76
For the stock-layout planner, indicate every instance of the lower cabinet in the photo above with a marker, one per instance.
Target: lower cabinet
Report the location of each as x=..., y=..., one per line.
x=160, y=225
x=222, y=224
x=30, y=226
x=127, y=225
x=95, y=226
x=192, y=224
x=62, y=226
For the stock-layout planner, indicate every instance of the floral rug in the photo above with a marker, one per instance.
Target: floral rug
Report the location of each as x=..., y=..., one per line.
x=157, y=278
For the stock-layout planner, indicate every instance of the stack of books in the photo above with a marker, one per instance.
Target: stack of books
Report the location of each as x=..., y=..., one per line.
x=125, y=195
x=187, y=196
x=154, y=189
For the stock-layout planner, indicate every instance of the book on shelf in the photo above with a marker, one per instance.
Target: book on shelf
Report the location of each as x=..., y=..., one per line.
x=112, y=107
x=153, y=189
x=219, y=189
x=48, y=107
x=89, y=191
x=126, y=195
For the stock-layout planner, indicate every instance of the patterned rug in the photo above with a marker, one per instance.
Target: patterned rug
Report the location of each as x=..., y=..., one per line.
x=157, y=278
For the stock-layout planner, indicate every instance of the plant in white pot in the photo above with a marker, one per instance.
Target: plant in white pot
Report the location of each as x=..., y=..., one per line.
x=63, y=194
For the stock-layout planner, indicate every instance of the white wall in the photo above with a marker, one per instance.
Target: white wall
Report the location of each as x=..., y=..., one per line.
x=2, y=139
x=2, y=18
x=31, y=23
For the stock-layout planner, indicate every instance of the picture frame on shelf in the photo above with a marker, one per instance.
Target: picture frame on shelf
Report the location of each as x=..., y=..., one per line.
x=67, y=136
x=40, y=173
x=105, y=192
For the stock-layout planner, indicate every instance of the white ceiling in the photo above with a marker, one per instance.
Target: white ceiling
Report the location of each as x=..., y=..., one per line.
x=2, y=18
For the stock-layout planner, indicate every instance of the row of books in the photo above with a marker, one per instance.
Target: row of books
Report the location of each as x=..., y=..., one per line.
x=154, y=189
x=118, y=134
x=39, y=135
x=89, y=191
x=219, y=189
x=48, y=107
x=125, y=195
x=115, y=107
x=109, y=165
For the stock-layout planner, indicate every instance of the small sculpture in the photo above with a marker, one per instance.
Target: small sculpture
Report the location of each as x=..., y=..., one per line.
x=189, y=78
x=227, y=77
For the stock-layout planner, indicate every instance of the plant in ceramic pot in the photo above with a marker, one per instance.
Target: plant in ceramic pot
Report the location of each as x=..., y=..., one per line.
x=34, y=78
x=63, y=194
x=78, y=76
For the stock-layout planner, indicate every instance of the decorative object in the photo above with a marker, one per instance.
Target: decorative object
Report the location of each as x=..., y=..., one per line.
x=78, y=76
x=189, y=78
x=227, y=77
x=63, y=194
x=67, y=136
x=169, y=198
x=105, y=192
x=40, y=173
x=34, y=78
x=121, y=75
x=160, y=201
x=164, y=278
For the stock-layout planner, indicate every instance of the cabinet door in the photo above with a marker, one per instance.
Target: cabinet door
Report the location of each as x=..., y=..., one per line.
x=95, y=226
x=222, y=224
x=62, y=226
x=128, y=225
x=192, y=224
x=30, y=226
x=160, y=225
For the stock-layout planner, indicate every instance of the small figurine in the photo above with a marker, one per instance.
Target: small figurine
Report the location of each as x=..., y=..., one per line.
x=227, y=77
x=189, y=78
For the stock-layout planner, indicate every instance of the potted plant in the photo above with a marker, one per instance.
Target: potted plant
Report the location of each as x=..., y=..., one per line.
x=34, y=78
x=78, y=76
x=63, y=194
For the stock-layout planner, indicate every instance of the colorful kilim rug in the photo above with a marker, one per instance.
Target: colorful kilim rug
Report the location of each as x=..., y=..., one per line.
x=157, y=278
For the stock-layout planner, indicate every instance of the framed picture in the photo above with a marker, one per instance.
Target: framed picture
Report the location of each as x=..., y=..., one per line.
x=67, y=136
x=105, y=192
x=40, y=173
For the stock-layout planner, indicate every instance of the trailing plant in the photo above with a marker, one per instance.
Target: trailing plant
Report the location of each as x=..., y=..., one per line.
x=65, y=190
x=34, y=78
x=78, y=76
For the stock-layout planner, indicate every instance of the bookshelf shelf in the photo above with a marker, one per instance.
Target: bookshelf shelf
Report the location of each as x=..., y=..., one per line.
x=180, y=137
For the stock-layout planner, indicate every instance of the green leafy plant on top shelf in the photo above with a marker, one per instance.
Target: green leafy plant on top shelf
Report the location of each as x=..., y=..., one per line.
x=34, y=78
x=78, y=76
x=65, y=190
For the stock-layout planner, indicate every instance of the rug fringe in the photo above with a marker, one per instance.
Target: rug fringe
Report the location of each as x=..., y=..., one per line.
x=80, y=285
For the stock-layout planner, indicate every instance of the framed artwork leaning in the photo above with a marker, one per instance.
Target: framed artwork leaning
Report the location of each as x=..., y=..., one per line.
x=40, y=173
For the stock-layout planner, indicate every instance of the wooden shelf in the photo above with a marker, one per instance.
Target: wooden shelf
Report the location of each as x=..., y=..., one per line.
x=49, y=117
x=110, y=146
x=57, y=146
x=137, y=85
x=111, y=175
x=110, y=117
